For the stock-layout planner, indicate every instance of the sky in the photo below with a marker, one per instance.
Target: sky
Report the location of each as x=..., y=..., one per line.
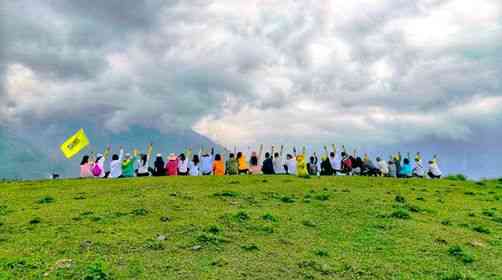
x=245, y=72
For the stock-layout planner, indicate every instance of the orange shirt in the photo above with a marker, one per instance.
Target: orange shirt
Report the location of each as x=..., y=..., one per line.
x=218, y=168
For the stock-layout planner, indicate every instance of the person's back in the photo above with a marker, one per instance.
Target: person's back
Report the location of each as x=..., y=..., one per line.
x=383, y=167
x=418, y=170
x=243, y=165
x=116, y=165
x=392, y=169
x=128, y=166
x=85, y=168
x=406, y=169
x=278, y=164
x=231, y=165
x=172, y=165
x=183, y=165
x=434, y=171
x=268, y=165
x=206, y=164
x=218, y=166
x=335, y=162
x=159, y=166
x=326, y=167
x=301, y=166
x=312, y=166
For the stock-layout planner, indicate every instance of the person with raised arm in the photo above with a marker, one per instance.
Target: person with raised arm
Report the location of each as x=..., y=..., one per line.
x=144, y=162
x=254, y=162
x=382, y=166
x=116, y=164
x=418, y=169
x=243, y=164
x=406, y=170
x=278, y=161
x=98, y=167
x=334, y=160
x=326, y=168
x=159, y=166
x=346, y=161
x=194, y=164
x=183, y=164
x=206, y=162
x=312, y=166
x=434, y=171
x=128, y=164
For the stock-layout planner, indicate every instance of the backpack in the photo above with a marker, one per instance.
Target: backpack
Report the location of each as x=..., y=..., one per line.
x=96, y=170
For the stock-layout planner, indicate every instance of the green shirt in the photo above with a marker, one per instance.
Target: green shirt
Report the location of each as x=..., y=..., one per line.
x=231, y=167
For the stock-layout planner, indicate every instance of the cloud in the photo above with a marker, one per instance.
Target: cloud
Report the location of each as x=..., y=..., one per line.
x=244, y=72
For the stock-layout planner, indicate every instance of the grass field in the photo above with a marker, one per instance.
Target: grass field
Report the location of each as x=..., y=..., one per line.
x=251, y=228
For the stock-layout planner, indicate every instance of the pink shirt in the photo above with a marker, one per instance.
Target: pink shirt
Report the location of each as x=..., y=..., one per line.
x=85, y=171
x=172, y=168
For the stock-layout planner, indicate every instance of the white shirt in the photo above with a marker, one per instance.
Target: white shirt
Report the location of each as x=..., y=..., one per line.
x=336, y=163
x=183, y=166
x=434, y=169
x=194, y=169
x=419, y=169
x=278, y=166
x=116, y=166
x=291, y=163
x=383, y=167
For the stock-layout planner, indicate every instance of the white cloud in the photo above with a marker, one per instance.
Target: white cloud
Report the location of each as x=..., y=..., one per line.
x=260, y=71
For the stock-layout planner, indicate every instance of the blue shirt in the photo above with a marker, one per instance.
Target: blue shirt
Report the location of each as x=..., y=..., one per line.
x=406, y=170
x=206, y=164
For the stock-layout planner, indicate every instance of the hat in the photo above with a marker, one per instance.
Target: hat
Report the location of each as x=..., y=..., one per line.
x=159, y=155
x=172, y=156
x=127, y=155
x=98, y=155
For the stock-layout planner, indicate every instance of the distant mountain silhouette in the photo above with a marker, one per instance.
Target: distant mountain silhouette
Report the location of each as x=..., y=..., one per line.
x=33, y=152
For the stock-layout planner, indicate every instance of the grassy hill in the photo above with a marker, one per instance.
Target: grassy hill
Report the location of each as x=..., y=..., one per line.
x=251, y=228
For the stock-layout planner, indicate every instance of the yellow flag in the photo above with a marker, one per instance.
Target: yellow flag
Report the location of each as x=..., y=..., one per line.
x=75, y=144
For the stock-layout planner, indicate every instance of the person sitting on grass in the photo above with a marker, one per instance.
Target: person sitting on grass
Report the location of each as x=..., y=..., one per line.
x=85, y=168
x=159, y=166
x=434, y=171
x=218, y=166
x=243, y=165
x=369, y=168
x=268, y=165
x=231, y=165
x=183, y=165
x=193, y=166
x=206, y=163
x=312, y=165
x=382, y=166
x=278, y=161
x=128, y=165
x=346, y=163
x=144, y=163
x=172, y=165
x=290, y=164
x=406, y=170
x=326, y=169
x=418, y=169
x=392, y=168
x=334, y=160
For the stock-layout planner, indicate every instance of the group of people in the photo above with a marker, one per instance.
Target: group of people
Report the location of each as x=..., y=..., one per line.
x=207, y=162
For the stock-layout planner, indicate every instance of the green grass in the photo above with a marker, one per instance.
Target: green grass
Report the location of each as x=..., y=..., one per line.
x=251, y=228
